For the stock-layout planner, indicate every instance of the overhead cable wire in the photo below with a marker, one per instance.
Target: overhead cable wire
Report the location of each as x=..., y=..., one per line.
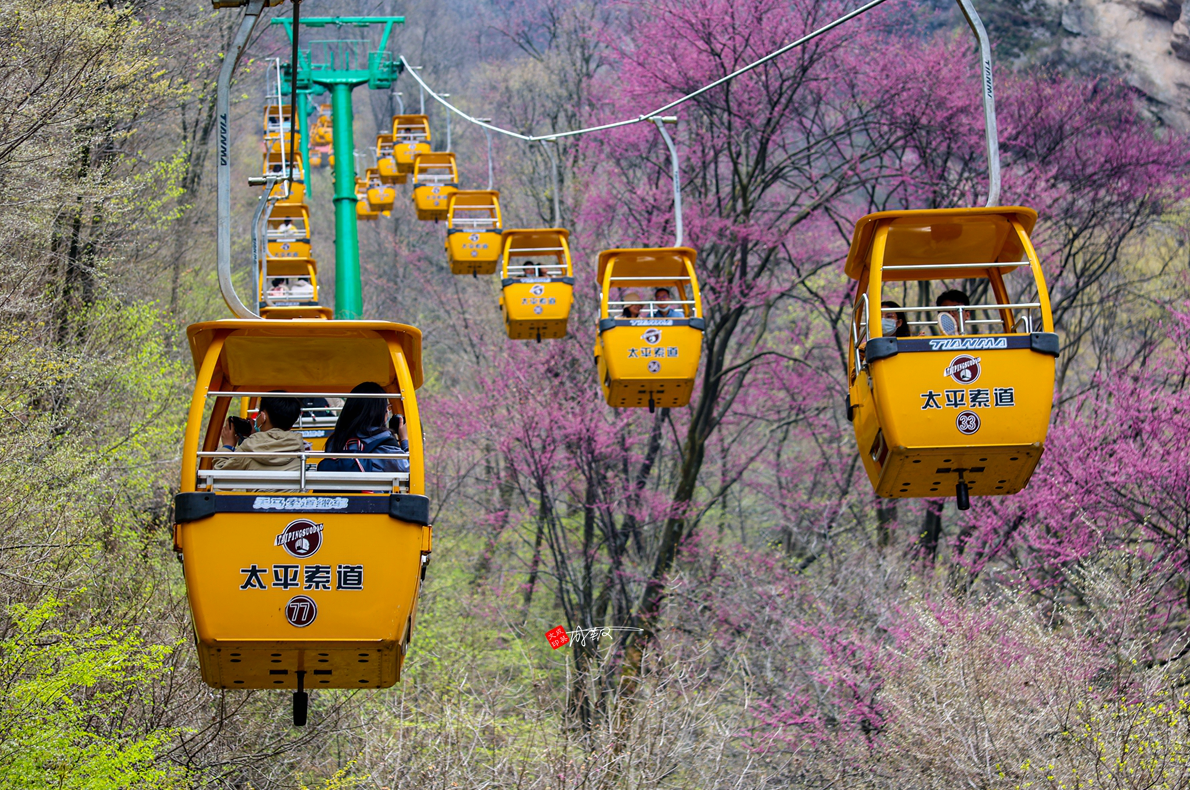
x=647, y=116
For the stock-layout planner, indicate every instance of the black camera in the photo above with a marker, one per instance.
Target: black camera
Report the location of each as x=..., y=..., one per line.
x=243, y=428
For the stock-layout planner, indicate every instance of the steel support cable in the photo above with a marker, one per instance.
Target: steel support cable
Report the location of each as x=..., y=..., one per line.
x=647, y=116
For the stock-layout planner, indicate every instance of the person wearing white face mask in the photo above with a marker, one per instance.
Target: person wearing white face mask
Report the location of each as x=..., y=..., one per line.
x=892, y=324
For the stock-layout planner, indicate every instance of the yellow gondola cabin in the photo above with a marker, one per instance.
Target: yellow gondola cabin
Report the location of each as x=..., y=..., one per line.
x=960, y=400
x=381, y=196
x=537, y=281
x=411, y=137
x=363, y=210
x=473, y=228
x=386, y=163
x=301, y=578
x=435, y=179
x=649, y=344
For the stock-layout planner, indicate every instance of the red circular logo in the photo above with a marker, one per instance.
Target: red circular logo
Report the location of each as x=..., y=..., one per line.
x=967, y=422
x=301, y=611
x=964, y=369
x=301, y=539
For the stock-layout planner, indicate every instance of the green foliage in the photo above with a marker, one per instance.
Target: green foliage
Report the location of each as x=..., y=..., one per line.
x=64, y=699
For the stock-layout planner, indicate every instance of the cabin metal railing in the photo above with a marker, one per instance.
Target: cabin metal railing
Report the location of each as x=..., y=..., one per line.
x=302, y=478
x=966, y=315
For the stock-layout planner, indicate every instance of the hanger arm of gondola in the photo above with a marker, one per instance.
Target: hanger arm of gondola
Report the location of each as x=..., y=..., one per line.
x=223, y=161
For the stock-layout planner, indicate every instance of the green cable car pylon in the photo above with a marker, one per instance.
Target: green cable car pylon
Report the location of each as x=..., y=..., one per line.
x=339, y=67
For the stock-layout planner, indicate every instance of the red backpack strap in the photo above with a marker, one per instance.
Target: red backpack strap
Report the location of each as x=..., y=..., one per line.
x=355, y=445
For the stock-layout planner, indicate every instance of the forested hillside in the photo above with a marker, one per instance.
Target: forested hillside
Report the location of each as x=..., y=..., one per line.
x=780, y=625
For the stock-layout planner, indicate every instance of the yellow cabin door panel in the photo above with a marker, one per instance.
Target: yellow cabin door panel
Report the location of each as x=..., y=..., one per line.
x=381, y=198
x=473, y=253
x=251, y=590
x=405, y=153
x=867, y=426
x=651, y=362
x=533, y=310
x=431, y=200
x=985, y=412
x=388, y=169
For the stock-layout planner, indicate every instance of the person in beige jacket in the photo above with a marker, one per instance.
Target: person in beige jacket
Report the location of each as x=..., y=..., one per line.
x=272, y=435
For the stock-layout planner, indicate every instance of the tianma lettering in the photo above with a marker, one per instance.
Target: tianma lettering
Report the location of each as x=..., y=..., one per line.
x=300, y=503
x=223, y=144
x=967, y=343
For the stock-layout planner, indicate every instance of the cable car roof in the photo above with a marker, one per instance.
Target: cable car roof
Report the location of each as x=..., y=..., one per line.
x=307, y=355
x=290, y=210
x=534, y=240
x=646, y=262
x=926, y=237
x=480, y=198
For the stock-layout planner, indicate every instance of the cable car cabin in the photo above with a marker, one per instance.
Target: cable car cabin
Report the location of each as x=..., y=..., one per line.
x=538, y=283
x=363, y=210
x=289, y=193
x=299, y=578
x=435, y=179
x=279, y=147
x=380, y=195
x=289, y=224
x=956, y=397
x=322, y=133
x=386, y=163
x=650, y=327
x=277, y=165
x=473, y=224
x=287, y=282
x=411, y=137
x=315, y=157
x=277, y=120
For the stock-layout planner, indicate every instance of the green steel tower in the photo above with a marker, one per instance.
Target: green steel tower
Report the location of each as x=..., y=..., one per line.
x=339, y=67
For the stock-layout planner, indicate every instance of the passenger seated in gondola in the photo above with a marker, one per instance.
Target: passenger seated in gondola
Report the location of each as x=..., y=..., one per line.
x=631, y=311
x=661, y=306
x=301, y=289
x=278, y=288
x=948, y=321
x=362, y=428
x=893, y=322
x=271, y=434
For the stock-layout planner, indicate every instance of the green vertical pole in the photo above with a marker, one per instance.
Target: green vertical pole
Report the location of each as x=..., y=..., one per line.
x=349, y=301
x=302, y=112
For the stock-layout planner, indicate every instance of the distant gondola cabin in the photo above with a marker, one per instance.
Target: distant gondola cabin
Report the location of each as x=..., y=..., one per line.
x=650, y=327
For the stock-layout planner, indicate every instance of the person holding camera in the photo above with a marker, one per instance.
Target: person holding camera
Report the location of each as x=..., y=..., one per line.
x=268, y=432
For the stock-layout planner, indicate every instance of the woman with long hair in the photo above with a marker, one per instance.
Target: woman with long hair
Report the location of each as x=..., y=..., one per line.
x=362, y=427
x=894, y=322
